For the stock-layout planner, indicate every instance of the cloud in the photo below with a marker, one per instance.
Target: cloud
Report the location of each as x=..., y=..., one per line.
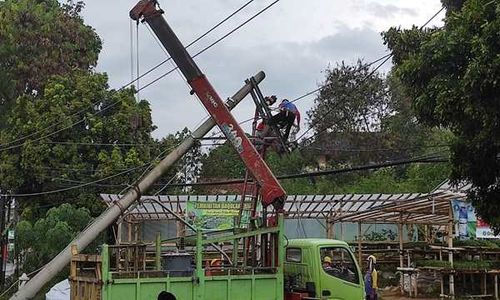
x=292, y=69
x=293, y=56
x=389, y=10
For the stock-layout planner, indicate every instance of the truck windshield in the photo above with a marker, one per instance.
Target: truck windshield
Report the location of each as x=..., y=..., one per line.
x=338, y=262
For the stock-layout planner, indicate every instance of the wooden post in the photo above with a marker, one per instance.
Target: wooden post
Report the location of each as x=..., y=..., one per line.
x=401, y=258
x=450, y=252
x=334, y=232
x=119, y=231
x=181, y=229
x=426, y=234
x=416, y=285
x=442, y=284
x=136, y=232
x=158, y=252
x=496, y=286
x=360, y=254
x=73, y=265
x=342, y=237
x=483, y=284
x=329, y=228
x=129, y=232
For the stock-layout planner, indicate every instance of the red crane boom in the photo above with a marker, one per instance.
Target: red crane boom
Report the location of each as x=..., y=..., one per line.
x=270, y=189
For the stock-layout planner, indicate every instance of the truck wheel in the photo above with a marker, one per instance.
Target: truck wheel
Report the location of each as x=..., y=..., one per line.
x=166, y=296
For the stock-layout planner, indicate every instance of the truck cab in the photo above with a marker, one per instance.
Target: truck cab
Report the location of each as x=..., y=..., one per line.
x=321, y=269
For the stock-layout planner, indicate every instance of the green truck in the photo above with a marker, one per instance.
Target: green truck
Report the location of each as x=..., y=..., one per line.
x=250, y=269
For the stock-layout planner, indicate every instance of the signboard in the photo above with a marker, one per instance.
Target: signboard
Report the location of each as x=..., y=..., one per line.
x=468, y=225
x=484, y=231
x=221, y=215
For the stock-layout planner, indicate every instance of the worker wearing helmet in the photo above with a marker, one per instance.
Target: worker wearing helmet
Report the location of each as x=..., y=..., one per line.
x=371, y=279
x=327, y=263
x=286, y=118
x=270, y=100
x=214, y=267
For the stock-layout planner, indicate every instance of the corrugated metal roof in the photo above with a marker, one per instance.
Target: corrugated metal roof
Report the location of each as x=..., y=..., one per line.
x=366, y=208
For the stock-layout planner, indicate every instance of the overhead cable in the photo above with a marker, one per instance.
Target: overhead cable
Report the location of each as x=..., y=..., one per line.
x=7, y=146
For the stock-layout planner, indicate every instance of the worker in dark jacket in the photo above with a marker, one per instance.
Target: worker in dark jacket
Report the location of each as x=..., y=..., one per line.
x=286, y=117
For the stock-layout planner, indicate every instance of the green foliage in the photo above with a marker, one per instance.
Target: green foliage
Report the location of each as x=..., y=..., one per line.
x=40, y=241
x=402, y=133
x=383, y=235
x=417, y=178
x=47, y=84
x=191, y=162
x=361, y=117
x=493, y=244
x=433, y=263
x=60, y=160
x=459, y=264
x=351, y=99
x=41, y=39
x=222, y=162
x=452, y=75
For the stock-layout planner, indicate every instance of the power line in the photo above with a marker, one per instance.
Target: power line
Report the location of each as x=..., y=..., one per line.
x=423, y=159
x=377, y=149
x=74, y=187
x=200, y=37
x=62, y=169
x=90, y=183
x=326, y=172
x=119, y=144
x=334, y=107
x=382, y=61
x=214, y=43
x=432, y=18
x=6, y=146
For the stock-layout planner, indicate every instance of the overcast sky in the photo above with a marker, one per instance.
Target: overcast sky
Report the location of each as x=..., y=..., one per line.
x=293, y=42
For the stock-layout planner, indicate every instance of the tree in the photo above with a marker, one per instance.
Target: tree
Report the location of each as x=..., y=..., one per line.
x=352, y=99
x=222, y=162
x=40, y=39
x=38, y=242
x=112, y=136
x=361, y=116
x=47, y=56
x=452, y=74
x=191, y=163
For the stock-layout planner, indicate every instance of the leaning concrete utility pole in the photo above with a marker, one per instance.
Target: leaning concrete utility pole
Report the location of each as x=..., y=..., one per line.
x=113, y=212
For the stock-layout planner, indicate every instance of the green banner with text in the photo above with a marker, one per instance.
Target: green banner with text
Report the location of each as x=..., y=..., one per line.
x=216, y=215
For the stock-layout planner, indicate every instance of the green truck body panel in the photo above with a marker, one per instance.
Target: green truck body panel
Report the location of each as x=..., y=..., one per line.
x=257, y=285
x=241, y=287
x=199, y=286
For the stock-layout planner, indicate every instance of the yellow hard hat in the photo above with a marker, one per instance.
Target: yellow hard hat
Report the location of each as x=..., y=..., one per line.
x=373, y=258
x=215, y=262
x=327, y=259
